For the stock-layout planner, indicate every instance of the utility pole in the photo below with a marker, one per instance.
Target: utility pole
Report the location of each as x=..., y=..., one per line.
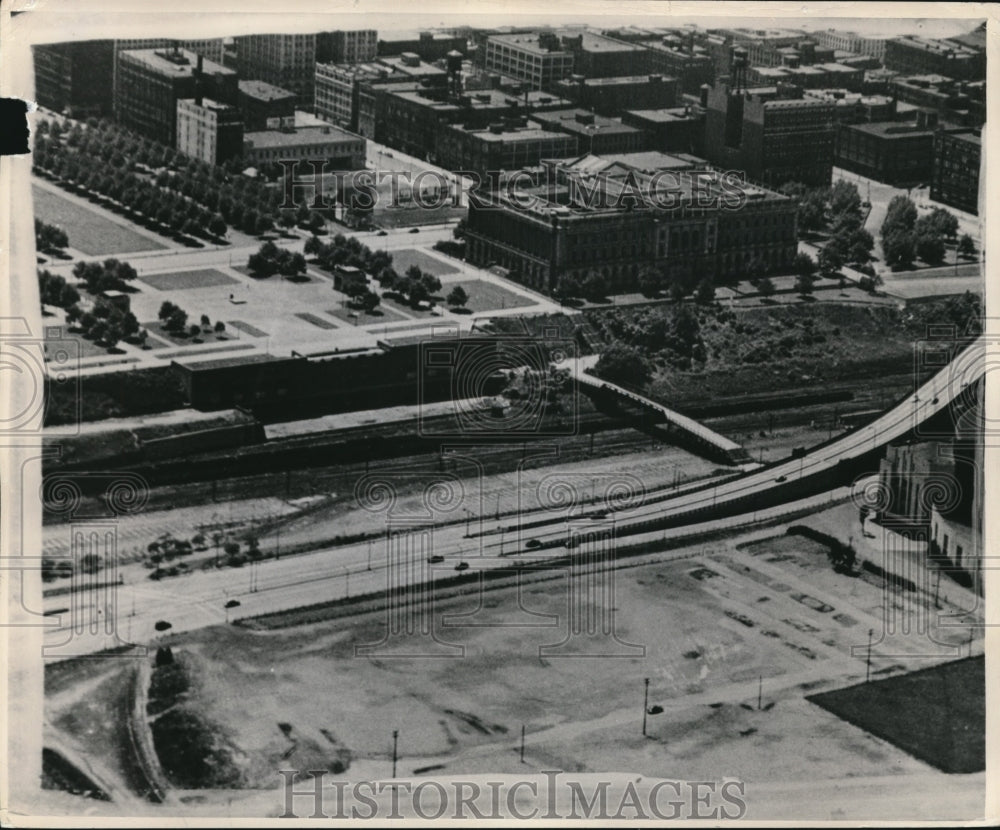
x=760, y=690
x=395, y=740
x=645, y=706
x=370, y=543
x=868, y=659
x=522, y=743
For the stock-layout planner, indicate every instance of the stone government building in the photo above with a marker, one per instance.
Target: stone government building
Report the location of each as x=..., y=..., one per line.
x=712, y=228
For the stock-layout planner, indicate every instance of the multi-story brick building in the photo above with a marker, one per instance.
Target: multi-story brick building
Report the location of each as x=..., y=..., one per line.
x=612, y=96
x=956, y=166
x=537, y=59
x=338, y=87
x=691, y=64
x=619, y=215
x=771, y=133
x=846, y=41
x=287, y=61
x=596, y=56
x=763, y=46
x=900, y=154
x=265, y=106
x=855, y=107
x=500, y=147
x=926, y=56
x=963, y=102
x=341, y=149
x=409, y=118
x=76, y=77
x=431, y=46
x=670, y=130
x=152, y=81
x=209, y=130
x=594, y=133
x=353, y=46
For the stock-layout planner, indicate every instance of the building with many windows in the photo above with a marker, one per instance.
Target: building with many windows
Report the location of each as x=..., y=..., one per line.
x=622, y=214
x=612, y=96
x=431, y=46
x=538, y=59
x=894, y=152
x=597, y=56
x=670, y=130
x=690, y=63
x=594, y=133
x=287, y=61
x=341, y=149
x=152, y=81
x=873, y=46
x=925, y=56
x=338, y=88
x=500, y=147
x=75, y=78
x=209, y=130
x=955, y=180
x=963, y=102
x=354, y=46
x=265, y=106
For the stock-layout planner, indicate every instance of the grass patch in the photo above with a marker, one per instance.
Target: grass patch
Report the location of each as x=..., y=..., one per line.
x=379, y=315
x=401, y=260
x=186, y=280
x=937, y=715
x=488, y=296
x=246, y=328
x=88, y=231
x=319, y=322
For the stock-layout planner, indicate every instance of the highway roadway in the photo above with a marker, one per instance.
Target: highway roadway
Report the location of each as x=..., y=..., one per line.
x=80, y=621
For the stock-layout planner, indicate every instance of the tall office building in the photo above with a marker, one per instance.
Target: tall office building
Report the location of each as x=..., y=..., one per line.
x=152, y=81
x=355, y=46
x=287, y=61
x=209, y=130
x=75, y=78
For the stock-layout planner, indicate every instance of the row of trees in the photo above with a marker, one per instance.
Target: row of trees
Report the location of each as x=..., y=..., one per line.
x=270, y=260
x=49, y=238
x=95, y=158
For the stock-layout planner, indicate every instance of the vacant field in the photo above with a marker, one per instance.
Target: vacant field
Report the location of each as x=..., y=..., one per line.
x=88, y=230
x=937, y=715
x=401, y=260
x=716, y=352
x=186, y=280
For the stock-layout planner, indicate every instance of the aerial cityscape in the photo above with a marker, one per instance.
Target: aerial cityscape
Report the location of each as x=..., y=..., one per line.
x=560, y=421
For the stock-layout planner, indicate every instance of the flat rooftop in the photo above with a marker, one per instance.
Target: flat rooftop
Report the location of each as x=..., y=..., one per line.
x=195, y=365
x=304, y=135
x=663, y=116
x=593, y=42
x=172, y=63
x=623, y=80
x=398, y=63
x=264, y=91
x=527, y=42
x=567, y=121
x=515, y=134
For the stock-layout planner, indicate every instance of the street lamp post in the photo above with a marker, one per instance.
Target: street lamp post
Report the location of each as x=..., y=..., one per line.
x=645, y=706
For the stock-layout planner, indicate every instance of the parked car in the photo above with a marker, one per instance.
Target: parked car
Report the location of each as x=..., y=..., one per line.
x=435, y=558
x=414, y=230
x=462, y=566
x=532, y=544
x=382, y=233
